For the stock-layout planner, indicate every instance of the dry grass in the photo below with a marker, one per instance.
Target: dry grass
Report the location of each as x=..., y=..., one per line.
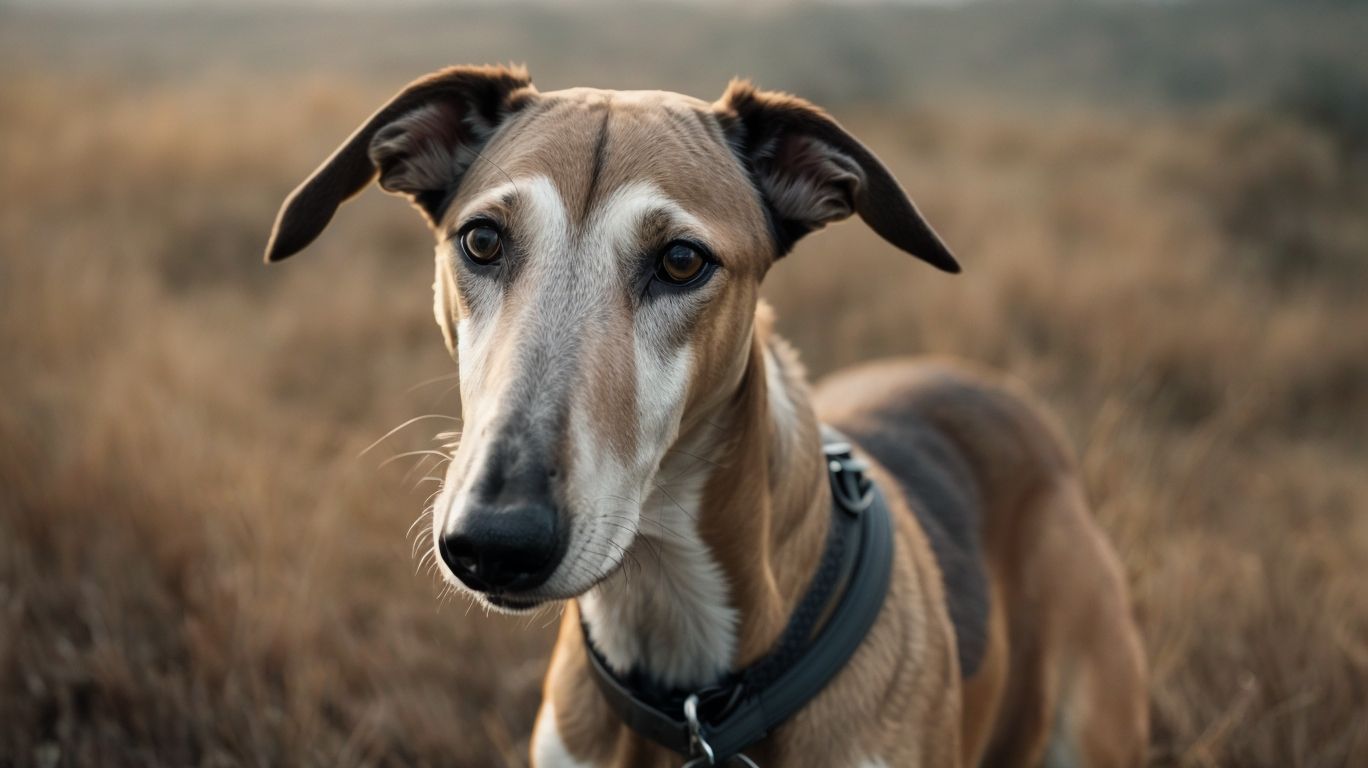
x=196, y=568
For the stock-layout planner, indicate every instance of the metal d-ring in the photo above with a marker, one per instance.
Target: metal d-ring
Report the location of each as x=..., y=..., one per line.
x=853, y=489
x=698, y=743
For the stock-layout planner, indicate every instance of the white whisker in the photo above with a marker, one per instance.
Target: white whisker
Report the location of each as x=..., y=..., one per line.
x=415, y=419
x=431, y=381
x=406, y=454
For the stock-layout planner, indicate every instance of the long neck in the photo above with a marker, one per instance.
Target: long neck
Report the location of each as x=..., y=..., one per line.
x=728, y=538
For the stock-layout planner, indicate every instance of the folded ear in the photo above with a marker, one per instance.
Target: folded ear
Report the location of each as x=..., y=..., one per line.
x=420, y=144
x=810, y=173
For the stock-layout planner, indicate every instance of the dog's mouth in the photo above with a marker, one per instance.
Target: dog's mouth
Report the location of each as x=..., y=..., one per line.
x=514, y=604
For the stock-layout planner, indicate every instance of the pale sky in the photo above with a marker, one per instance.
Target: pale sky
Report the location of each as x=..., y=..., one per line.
x=435, y=3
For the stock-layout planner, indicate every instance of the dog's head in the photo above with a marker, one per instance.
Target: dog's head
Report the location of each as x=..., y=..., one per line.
x=599, y=256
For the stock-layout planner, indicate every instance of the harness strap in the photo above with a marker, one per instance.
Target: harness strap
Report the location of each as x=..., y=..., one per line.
x=740, y=710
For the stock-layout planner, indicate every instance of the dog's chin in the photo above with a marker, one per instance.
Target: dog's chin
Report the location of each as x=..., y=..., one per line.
x=557, y=590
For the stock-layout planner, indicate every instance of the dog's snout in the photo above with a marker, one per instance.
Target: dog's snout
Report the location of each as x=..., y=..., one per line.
x=503, y=549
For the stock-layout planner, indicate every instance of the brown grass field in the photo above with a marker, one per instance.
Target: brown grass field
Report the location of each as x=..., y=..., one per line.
x=196, y=568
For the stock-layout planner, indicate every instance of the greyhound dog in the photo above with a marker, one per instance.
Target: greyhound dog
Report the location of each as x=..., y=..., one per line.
x=640, y=445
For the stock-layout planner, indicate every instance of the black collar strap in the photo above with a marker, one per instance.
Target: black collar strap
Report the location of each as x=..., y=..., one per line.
x=716, y=723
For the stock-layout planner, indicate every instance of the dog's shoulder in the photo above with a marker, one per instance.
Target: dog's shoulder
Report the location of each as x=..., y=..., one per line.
x=887, y=410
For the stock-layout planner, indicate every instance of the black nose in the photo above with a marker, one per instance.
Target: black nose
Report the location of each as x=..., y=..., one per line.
x=502, y=549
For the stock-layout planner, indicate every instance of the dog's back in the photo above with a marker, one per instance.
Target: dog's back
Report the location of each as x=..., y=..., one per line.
x=1049, y=654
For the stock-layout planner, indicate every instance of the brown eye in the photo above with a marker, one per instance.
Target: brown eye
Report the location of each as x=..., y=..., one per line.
x=482, y=244
x=681, y=264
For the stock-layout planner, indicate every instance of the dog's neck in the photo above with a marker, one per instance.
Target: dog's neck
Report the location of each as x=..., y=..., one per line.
x=729, y=536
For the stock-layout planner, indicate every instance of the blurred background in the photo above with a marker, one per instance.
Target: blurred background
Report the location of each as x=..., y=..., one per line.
x=1160, y=207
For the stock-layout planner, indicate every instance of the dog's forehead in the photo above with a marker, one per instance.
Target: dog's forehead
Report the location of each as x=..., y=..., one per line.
x=634, y=99
x=590, y=143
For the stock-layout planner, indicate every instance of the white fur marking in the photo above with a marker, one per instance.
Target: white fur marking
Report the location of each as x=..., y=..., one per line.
x=668, y=611
x=548, y=750
x=670, y=614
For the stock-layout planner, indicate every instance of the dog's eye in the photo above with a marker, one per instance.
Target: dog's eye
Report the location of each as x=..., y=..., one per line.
x=681, y=264
x=482, y=244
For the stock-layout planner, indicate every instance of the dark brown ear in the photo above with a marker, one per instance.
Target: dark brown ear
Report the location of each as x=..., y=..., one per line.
x=810, y=173
x=419, y=144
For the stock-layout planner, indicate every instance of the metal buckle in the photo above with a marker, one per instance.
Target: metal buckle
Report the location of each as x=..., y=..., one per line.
x=697, y=742
x=852, y=488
